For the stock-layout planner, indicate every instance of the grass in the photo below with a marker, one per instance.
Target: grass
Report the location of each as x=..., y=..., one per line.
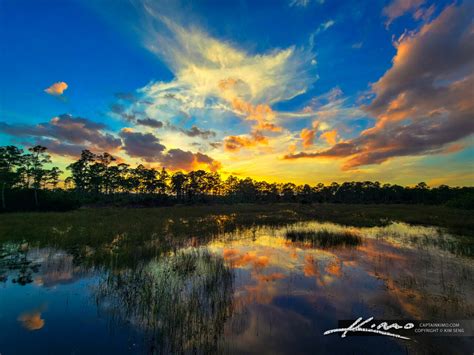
x=325, y=238
x=180, y=300
x=126, y=236
x=135, y=221
x=130, y=235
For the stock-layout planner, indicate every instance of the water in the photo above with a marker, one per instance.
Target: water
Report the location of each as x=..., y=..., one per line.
x=247, y=289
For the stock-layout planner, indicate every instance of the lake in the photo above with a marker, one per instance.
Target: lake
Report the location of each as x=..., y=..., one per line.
x=217, y=284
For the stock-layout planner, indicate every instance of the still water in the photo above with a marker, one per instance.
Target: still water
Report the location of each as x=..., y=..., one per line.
x=257, y=289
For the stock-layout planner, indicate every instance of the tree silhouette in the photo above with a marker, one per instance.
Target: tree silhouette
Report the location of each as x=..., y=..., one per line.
x=10, y=158
x=80, y=170
x=178, y=181
x=98, y=177
x=36, y=161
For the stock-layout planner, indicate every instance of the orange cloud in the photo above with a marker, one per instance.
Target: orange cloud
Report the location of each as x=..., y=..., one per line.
x=307, y=135
x=261, y=113
x=334, y=268
x=330, y=136
x=454, y=148
x=238, y=259
x=423, y=103
x=310, y=267
x=31, y=321
x=235, y=143
x=178, y=159
x=57, y=89
x=398, y=8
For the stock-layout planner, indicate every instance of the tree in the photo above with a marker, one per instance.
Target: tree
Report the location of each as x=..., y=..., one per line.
x=10, y=158
x=163, y=180
x=52, y=176
x=37, y=159
x=178, y=181
x=99, y=174
x=105, y=160
x=288, y=191
x=80, y=170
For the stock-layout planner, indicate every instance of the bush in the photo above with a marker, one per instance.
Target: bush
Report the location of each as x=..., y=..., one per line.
x=24, y=200
x=465, y=201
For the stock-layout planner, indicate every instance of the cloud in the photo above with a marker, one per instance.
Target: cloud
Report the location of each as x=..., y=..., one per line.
x=325, y=25
x=424, y=13
x=141, y=145
x=262, y=114
x=330, y=137
x=65, y=133
x=177, y=159
x=149, y=148
x=126, y=96
x=201, y=63
x=150, y=122
x=193, y=132
x=217, y=80
x=307, y=136
x=198, y=132
x=304, y=3
x=57, y=89
x=31, y=320
x=216, y=83
x=331, y=110
x=424, y=101
x=398, y=8
x=235, y=143
x=122, y=111
x=61, y=148
x=117, y=108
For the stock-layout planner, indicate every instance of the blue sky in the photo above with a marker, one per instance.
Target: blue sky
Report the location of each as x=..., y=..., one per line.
x=268, y=89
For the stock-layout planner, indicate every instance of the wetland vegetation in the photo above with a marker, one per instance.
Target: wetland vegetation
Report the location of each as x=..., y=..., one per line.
x=230, y=278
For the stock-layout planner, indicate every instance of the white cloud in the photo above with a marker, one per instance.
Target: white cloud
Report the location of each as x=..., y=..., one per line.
x=325, y=25
x=304, y=3
x=217, y=83
x=202, y=66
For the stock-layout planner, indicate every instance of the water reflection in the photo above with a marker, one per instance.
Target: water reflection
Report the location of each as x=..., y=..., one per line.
x=181, y=300
x=31, y=320
x=236, y=289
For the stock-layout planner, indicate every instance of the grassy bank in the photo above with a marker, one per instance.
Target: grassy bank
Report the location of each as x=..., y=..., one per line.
x=196, y=218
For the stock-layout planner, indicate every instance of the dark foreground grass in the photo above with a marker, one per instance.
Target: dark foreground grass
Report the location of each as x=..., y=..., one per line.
x=176, y=219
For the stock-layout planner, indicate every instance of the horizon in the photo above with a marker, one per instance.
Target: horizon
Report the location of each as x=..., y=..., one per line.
x=67, y=173
x=337, y=92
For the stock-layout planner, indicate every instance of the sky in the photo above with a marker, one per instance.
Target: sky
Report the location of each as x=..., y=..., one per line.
x=306, y=91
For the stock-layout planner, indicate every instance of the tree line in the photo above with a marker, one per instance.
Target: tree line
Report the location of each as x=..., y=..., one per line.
x=29, y=182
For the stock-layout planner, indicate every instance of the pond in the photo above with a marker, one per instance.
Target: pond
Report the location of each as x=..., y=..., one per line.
x=253, y=288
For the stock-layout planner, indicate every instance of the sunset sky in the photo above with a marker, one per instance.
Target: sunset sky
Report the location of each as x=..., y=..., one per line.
x=305, y=91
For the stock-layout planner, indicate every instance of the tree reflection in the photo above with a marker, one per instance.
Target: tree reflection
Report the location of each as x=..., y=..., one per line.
x=14, y=260
x=181, y=300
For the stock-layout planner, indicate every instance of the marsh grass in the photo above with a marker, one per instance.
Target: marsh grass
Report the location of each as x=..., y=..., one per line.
x=181, y=300
x=124, y=237
x=325, y=238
